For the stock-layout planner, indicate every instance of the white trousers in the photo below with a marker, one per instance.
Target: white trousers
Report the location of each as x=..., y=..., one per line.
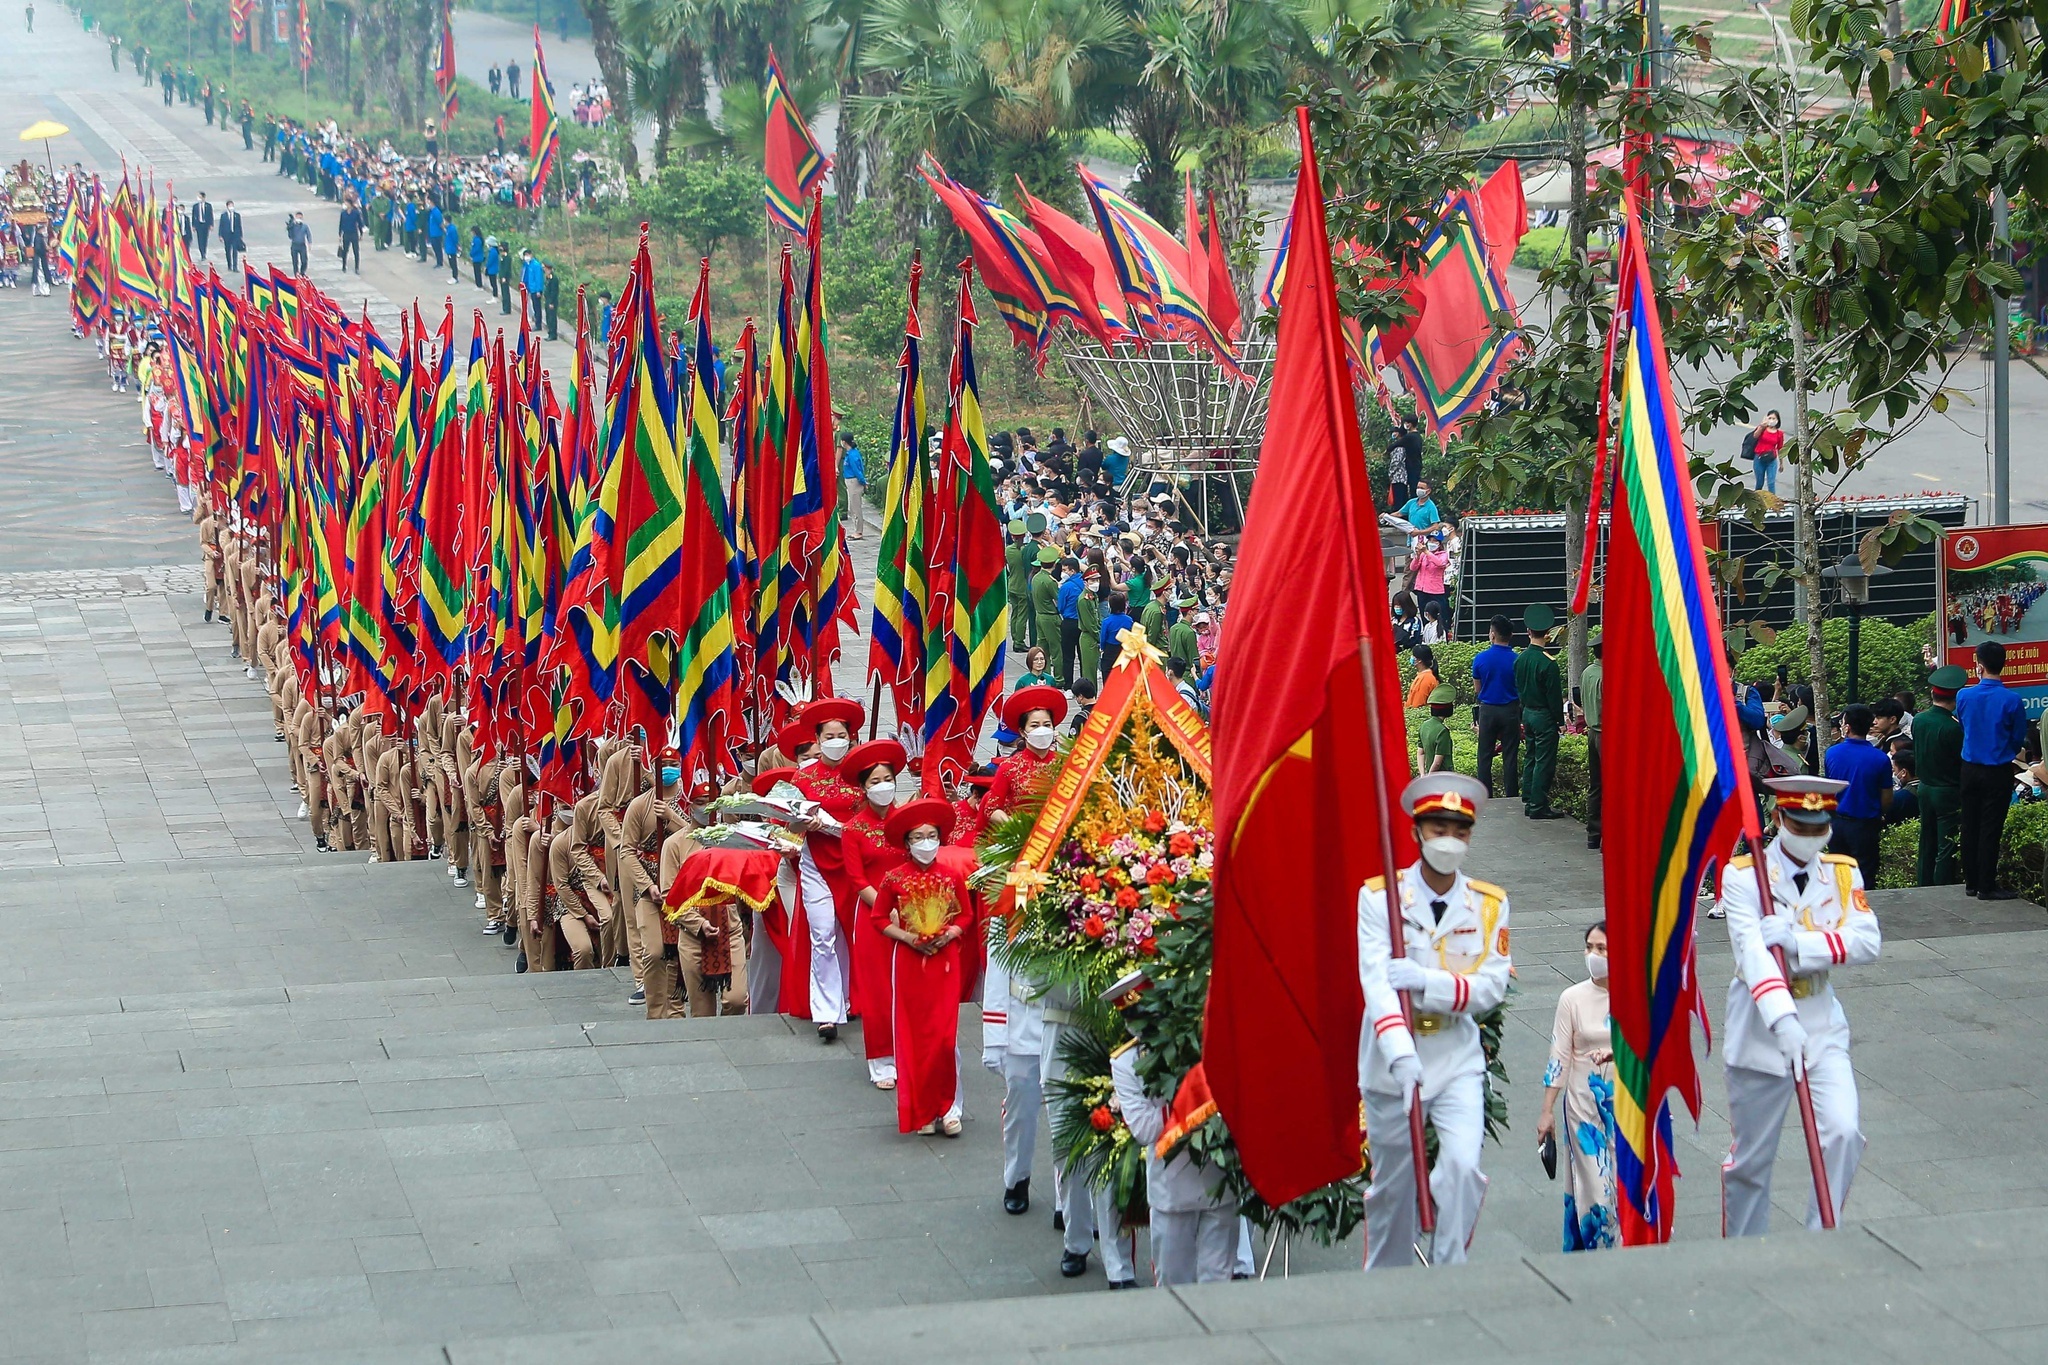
x=828, y=946
x=1455, y=1184
x=1084, y=1208
x=881, y=1069
x=1757, y=1102
x=764, y=972
x=1196, y=1247
x=1023, y=1098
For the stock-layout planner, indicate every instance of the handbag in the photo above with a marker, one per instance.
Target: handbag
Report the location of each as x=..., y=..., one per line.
x=1546, y=1151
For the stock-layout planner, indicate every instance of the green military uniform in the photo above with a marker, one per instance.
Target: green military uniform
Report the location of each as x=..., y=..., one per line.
x=1938, y=750
x=1045, y=610
x=1181, y=643
x=1090, y=614
x=1541, y=688
x=1153, y=619
x=1018, y=579
x=1433, y=737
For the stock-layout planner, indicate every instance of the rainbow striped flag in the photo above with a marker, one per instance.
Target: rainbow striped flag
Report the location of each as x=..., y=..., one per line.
x=896, y=637
x=544, y=134
x=1677, y=800
x=1153, y=270
x=791, y=158
x=707, y=690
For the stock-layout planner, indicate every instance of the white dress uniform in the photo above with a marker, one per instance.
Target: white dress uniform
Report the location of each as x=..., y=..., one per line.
x=1194, y=1228
x=764, y=960
x=1013, y=1046
x=1834, y=928
x=1465, y=953
x=1084, y=1206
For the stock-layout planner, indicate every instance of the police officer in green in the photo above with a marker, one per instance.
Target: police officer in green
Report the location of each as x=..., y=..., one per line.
x=1153, y=619
x=1433, y=736
x=1045, y=609
x=1541, y=689
x=1018, y=558
x=1182, y=642
x=1938, y=751
x=1090, y=614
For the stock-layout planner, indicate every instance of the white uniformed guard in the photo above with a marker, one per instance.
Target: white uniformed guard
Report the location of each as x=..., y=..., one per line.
x=1456, y=937
x=1013, y=1046
x=1194, y=1226
x=1775, y=1026
x=1084, y=1207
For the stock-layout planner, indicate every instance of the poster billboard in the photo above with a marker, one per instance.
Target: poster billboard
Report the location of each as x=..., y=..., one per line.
x=1994, y=586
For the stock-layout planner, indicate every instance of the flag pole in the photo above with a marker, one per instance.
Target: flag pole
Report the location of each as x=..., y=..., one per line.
x=1823, y=1196
x=1397, y=946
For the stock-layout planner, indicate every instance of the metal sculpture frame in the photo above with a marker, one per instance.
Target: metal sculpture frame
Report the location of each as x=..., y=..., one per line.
x=1188, y=421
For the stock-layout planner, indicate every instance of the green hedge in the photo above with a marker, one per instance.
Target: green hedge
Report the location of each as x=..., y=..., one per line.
x=1539, y=247
x=2020, y=852
x=1891, y=659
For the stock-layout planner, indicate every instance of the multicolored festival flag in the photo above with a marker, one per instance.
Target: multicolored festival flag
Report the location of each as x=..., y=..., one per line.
x=1680, y=799
x=444, y=67
x=707, y=690
x=1297, y=791
x=896, y=638
x=1459, y=347
x=790, y=155
x=544, y=133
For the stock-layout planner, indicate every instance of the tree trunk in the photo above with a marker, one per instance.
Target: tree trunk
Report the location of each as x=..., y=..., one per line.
x=1575, y=504
x=604, y=38
x=1226, y=175
x=846, y=151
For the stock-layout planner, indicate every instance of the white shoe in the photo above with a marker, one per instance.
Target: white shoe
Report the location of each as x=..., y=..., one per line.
x=479, y=900
x=493, y=927
x=302, y=811
x=463, y=881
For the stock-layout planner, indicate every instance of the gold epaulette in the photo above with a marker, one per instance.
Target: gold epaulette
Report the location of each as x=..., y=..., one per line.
x=1839, y=859
x=1123, y=1047
x=1375, y=883
x=1741, y=860
x=1486, y=888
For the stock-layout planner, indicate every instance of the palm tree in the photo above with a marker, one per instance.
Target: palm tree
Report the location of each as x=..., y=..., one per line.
x=611, y=64
x=1229, y=61
x=657, y=40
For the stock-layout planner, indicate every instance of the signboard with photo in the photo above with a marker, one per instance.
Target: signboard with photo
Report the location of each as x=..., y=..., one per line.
x=1994, y=586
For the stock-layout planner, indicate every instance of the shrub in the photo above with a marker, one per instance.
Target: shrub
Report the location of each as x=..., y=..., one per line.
x=1898, y=861
x=1891, y=659
x=1453, y=665
x=1540, y=247
x=705, y=202
x=2022, y=850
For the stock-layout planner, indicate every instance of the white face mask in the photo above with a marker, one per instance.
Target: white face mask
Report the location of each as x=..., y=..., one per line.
x=924, y=850
x=1803, y=847
x=882, y=793
x=834, y=749
x=1041, y=737
x=1596, y=966
x=1445, y=853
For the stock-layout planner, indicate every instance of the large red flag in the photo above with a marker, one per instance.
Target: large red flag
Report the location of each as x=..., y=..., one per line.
x=1297, y=803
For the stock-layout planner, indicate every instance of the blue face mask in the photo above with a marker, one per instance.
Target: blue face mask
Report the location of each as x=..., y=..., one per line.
x=671, y=776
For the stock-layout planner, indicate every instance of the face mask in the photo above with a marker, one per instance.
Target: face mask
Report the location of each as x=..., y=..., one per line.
x=1445, y=853
x=1803, y=847
x=671, y=776
x=924, y=850
x=1596, y=966
x=1040, y=737
x=834, y=749
x=882, y=793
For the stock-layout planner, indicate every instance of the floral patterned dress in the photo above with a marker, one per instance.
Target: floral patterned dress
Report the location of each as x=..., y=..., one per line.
x=1582, y=1064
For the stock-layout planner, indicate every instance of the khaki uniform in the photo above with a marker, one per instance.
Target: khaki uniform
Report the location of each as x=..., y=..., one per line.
x=455, y=833
x=252, y=601
x=615, y=790
x=537, y=892
x=581, y=891
x=487, y=832
x=535, y=933
x=210, y=560
x=348, y=821
x=644, y=877
x=689, y=944
x=391, y=816
x=427, y=773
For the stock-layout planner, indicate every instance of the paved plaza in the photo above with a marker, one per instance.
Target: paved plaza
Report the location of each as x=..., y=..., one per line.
x=259, y=1104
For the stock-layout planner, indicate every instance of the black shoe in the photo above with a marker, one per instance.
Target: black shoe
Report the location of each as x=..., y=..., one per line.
x=1017, y=1199
x=1123, y=1284
x=511, y=934
x=1546, y=815
x=1999, y=896
x=209, y=616
x=623, y=961
x=323, y=846
x=1059, y=1221
x=828, y=1033
x=1592, y=841
x=520, y=965
x=1074, y=1264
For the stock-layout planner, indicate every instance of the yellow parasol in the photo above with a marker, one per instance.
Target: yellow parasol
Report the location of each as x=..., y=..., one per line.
x=42, y=130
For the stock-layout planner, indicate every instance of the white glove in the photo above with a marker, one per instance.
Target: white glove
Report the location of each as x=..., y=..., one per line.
x=1791, y=1038
x=1404, y=974
x=1777, y=932
x=1408, y=1075
x=992, y=1058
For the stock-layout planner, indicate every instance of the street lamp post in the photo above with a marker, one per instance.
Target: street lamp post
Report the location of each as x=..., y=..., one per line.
x=1853, y=583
